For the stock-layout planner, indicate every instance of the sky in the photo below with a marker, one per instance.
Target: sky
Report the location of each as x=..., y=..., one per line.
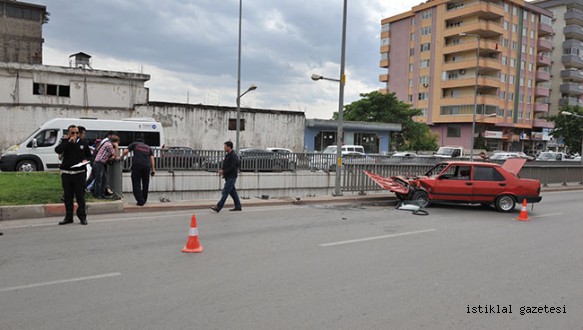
x=189, y=47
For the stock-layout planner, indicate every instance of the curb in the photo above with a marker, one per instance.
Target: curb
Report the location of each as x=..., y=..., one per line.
x=53, y=210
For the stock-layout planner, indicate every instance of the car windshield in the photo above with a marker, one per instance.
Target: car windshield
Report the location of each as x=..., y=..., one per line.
x=445, y=151
x=435, y=170
x=329, y=150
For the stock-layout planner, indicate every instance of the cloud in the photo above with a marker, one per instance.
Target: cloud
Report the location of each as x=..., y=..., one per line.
x=190, y=47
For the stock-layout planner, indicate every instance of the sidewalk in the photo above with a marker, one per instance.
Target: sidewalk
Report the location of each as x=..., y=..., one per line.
x=128, y=205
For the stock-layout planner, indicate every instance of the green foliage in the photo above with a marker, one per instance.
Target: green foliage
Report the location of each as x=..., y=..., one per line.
x=386, y=108
x=569, y=128
x=20, y=188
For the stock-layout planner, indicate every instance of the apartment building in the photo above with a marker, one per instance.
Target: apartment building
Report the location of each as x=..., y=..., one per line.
x=21, y=38
x=466, y=63
x=567, y=59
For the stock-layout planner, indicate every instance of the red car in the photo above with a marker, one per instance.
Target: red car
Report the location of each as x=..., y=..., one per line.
x=466, y=182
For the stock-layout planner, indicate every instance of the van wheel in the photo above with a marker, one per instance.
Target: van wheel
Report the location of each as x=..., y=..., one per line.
x=26, y=166
x=505, y=203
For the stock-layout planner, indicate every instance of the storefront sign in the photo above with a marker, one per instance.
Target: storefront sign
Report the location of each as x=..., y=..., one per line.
x=492, y=135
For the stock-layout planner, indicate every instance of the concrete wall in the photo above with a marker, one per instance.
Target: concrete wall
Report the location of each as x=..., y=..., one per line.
x=197, y=126
x=192, y=185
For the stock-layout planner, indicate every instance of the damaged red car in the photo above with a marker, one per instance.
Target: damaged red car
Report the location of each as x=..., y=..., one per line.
x=466, y=182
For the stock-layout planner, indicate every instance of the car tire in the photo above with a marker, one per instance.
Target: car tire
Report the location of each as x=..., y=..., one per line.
x=505, y=203
x=26, y=166
x=402, y=197
x=421, y=197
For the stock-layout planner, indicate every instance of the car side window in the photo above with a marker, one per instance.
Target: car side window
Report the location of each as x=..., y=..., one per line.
x=483, y=173
x=456, y=173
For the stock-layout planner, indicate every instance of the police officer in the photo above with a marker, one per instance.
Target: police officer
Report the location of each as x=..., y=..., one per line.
x=74, y=151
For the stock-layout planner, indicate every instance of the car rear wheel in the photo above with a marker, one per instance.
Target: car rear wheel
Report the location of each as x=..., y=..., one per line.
x=26, y=166
x=505, y=203
x=422, y=198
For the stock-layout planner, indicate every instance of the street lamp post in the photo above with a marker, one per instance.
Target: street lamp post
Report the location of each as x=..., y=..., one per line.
x=251, y=88
x=341, y=82
x=239, y=95
x=475, y=91
x=567, y=113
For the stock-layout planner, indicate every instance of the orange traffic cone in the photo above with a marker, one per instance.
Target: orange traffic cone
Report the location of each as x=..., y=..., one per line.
x=192, y=244
x=523, y=216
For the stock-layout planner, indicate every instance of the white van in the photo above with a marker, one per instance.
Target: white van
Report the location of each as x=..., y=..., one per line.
x=37, y=152
x=345, y=148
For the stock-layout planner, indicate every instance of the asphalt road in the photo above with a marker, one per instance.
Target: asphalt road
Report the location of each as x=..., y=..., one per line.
x=300, y=267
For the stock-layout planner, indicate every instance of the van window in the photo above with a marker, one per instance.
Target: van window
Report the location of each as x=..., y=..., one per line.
x=125, y=137
x=44, y=138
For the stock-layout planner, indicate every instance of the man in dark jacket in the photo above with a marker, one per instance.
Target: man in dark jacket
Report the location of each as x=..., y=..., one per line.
x=229, y=172
x=74, y=151
x=142, y=169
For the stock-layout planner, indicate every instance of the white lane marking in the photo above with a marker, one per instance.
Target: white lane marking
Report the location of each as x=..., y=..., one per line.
x=546, y=215
x=377, y=237
x=30, y=286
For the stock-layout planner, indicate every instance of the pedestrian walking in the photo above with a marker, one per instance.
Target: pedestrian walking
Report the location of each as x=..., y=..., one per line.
x=229, y=171
x=142, y=169
x=75, y=153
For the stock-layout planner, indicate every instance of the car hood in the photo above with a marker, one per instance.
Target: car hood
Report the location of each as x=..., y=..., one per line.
x=514, y=165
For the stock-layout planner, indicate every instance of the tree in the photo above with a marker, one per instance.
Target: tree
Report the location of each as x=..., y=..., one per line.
x=569, y=128
x=386, y=108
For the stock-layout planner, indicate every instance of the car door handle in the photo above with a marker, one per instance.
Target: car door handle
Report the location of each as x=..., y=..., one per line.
x=469, y=183
x=502, y=184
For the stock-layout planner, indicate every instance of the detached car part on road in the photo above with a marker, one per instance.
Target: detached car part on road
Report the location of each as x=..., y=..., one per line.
x=466, y=182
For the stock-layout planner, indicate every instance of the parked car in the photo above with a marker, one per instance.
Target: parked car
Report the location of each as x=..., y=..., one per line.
x=255, y=159
x=404, y=154
x=327, y=162
x=466, y=182
x=552, y=156
x=286, y=153
x=181, y=158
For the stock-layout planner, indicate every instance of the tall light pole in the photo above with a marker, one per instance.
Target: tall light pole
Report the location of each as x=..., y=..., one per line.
x=251, y=88
x=239, y=95
x=567, y=113
x=341, y=82
x=475, y=92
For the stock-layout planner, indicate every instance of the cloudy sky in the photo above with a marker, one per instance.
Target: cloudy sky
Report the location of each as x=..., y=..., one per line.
x=190, y=47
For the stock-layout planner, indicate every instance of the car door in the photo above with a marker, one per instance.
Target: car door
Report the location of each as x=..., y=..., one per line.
x=488, y=183
x=453, y=184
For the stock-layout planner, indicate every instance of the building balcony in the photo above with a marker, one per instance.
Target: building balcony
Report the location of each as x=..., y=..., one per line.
x=493, y=82
x=486, y=29
x=486, y=64
x=384, y=77
x=544, y=29
x=384, y=63
x=486, y=46
x=542, y=60
x=469, y=100
x=572, y=74
x=573, y=32
x=571, y=101
x=482, y=9
x=542, y=76
x=385, y=49
x=542, y=92
x=542, y=123
x=572, y=61
x=571, y=89
x=543, y=45
x=574, y=17
x=541, y=107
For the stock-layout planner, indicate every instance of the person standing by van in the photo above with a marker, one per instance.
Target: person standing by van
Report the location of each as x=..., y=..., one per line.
x=105, y=153
x=229, y=172
x=142, y=168
x=74, y=151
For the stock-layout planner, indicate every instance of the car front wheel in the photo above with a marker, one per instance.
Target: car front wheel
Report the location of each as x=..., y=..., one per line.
x=422, y=198
x=505, y=203
x=26, y=166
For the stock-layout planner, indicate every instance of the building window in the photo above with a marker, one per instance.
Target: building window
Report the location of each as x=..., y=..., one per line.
x=504, y=60
x=233, y=124
x=426, y=14
x=385, y=41
x=425, y=30
x=411, y=51
x=24, y=13
x=424, y=64
x=50, y=89
x=386, y=27
x=422, y=96
x=425, y=47
x=512, y=62
x=454, y=131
